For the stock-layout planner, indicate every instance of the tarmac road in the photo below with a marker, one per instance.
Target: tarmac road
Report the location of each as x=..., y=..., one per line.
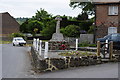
x=16, y=64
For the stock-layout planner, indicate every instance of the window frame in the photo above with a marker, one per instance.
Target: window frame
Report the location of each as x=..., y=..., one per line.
x=112, y=8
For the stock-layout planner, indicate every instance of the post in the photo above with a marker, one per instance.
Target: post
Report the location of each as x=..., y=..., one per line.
x=76, y=44
x=106, y=46
x=37, y=42
x=40, y=48
x=111, y=50
x=34, y=43
x=46, y=50
x=98, y=48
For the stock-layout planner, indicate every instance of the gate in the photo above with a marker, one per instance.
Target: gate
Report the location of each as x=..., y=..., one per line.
x=105, y=50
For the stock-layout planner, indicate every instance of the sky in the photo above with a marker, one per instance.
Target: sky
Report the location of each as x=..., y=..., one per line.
x=28, y=8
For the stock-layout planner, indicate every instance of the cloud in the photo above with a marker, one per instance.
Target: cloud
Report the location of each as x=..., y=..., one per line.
x=27, y=8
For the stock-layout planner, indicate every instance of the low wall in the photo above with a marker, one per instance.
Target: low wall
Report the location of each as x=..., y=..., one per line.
x=50, y=64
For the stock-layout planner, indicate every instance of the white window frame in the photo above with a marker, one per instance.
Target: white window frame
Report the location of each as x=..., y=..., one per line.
x=112, y=30
x=113, y=10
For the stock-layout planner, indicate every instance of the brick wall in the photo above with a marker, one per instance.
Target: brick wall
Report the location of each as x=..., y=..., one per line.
x=103, y=20
x=119, y=20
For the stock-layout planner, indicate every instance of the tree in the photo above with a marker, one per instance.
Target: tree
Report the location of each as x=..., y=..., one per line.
x=82, y=16
x=30, y=25
x=87, y=7
x=71, y=31
x=49, y=29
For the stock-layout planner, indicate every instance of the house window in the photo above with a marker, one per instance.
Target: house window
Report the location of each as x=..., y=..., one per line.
x=112, y=30
x=113, y=10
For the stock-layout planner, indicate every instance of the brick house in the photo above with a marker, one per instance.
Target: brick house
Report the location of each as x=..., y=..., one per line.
x=8, y=24
x=107, y=18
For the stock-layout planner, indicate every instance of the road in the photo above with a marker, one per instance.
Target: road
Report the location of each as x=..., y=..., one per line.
x=16, y=64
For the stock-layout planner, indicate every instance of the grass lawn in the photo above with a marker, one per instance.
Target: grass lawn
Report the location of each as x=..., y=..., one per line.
x=5, y=42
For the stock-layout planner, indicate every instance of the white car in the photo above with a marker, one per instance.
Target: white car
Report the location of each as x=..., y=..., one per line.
x=18, y=41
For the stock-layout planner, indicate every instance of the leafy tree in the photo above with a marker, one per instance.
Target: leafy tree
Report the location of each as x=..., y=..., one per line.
x=41, y=15
x=49, y=29
x=85, y=25
x=30, y=25
x=91, y=30
x=71, y=31
x=24, y=28
x=82, y=16
x=87, y=7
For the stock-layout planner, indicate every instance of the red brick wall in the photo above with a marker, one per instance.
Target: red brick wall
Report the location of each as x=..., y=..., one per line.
x=103, y=20
x=119, y=20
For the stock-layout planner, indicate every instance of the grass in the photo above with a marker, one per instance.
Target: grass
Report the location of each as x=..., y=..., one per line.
x=78, y=53
x=5, y=42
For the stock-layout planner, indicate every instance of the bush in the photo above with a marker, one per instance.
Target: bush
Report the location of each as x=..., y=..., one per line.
x=17, y=35
x=83, y=44
x=86, y=44
x=71, y=31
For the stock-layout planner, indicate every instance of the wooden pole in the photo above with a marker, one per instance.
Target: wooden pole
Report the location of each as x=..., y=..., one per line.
x=98, y=48
x=111, y=50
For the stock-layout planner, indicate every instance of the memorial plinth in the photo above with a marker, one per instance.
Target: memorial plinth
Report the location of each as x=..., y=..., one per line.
x=57, y=36
x=57, y=42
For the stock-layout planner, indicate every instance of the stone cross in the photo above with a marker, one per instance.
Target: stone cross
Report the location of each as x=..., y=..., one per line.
x=58, y=24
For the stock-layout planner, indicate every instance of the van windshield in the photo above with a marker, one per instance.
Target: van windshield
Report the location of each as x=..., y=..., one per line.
x=19, y=39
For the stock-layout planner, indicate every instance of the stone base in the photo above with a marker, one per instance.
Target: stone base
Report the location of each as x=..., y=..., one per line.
x=57, y=37
x=58, y=45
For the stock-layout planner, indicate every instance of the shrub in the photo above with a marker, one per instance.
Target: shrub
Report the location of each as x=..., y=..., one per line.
x=17, y=35
x=71, y=31
x=86, y=44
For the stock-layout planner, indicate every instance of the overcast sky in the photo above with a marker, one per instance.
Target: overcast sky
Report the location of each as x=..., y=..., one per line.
x=28, y=8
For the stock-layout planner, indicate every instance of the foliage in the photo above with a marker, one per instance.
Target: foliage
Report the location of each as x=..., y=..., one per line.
x=17, y=35
x=49, y=29
x=71, y=31
x=30, y=25
x=86, y=44
x=77, y=53
x=85, y=25
x=5, y=42
x=42, y=16
x=82, y=16
x=91, y=30
x=87, y=7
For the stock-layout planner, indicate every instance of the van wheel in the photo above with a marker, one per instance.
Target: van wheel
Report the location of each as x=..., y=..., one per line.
x=13, y=44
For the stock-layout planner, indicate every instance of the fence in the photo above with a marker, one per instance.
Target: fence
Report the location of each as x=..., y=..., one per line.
x=44, y=47
x=106, y=51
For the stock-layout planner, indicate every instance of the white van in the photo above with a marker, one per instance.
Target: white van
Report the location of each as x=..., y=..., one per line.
x=18, y=41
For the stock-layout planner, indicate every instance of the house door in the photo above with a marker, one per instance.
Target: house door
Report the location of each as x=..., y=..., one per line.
x=112, y=30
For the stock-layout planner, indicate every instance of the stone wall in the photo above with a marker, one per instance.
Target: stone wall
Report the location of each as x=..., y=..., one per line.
x=50, y=64
x=86, y=38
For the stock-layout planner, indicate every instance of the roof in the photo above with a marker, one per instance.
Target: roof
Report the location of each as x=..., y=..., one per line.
x=104, y=3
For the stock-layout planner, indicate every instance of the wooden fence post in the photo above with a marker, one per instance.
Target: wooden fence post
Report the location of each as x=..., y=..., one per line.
x=111, y=50
x=98, y=48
